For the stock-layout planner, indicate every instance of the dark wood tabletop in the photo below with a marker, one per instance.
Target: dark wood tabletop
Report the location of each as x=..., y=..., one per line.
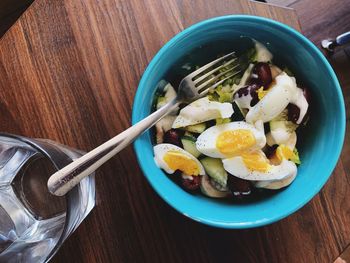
x=69, y=70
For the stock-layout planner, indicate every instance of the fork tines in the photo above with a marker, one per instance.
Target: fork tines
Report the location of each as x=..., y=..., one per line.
x=215, y=73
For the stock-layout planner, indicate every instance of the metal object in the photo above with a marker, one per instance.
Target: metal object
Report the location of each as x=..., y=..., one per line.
x=193, y=86
x=331, y=44
x=33, y=237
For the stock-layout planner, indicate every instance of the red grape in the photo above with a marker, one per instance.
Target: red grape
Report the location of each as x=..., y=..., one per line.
x=191, y=185
x=238, y=186
x=174, y=137
x=263, y=71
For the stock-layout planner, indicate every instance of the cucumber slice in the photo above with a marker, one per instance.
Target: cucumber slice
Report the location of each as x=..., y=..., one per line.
x=222, y=121
x=215, y=169
x=208, y=190
x=188, y=134
x=189, y=144
x=197, y=128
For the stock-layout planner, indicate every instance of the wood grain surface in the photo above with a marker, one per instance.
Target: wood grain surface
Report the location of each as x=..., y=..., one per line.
x=318, y=21
x=69, y=70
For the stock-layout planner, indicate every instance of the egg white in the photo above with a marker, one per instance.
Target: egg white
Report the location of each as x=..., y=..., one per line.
x=206, y=142
x=275, y=101
x=288, y=139
x=169, y=95
x=262, y=53
x=202, y=110
x=236, y=166
x=161, y=149
x=276, y=184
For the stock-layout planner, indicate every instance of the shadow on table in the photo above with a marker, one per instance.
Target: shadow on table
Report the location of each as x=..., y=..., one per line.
x=10, y=11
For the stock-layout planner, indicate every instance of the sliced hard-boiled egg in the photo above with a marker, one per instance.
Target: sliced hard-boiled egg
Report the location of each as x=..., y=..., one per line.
x=283, y=154
x=262, y=53
x=280, y=135
x=275, y=101
x=274, y=185
x=261, y=92
x=300, y=101
x=289, y=139
x=202, y=110
x=246, y=75
x=231, y=139
x=171, y=158
x=166, y=123
x=254, y=166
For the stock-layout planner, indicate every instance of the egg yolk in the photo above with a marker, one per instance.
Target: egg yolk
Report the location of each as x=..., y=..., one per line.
x=256, y=161
x=261, y=93
x=234, y=142
x=283, y=152
x=178, y=161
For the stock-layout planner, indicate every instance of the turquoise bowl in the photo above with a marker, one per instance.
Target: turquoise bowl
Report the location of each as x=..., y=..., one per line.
x=319, y=144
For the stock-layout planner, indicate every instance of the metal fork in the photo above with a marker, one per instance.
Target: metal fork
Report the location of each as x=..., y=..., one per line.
x=192, y=87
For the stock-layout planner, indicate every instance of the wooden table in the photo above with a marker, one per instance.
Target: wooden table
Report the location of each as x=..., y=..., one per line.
x=69, y=70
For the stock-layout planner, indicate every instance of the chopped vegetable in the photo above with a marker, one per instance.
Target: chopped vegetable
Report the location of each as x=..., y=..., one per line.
x=197, y=128
x=222, y=121
x=189, y=145
x=241, y=135
x=262, y=53
x=215, y=170
x=209, y=190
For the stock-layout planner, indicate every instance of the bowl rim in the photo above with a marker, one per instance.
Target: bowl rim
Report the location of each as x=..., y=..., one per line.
x=308, y=44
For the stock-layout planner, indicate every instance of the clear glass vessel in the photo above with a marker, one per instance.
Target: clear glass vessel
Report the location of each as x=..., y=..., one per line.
x=33, y=222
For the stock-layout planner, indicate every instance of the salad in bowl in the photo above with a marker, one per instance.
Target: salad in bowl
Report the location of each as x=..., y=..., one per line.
x=241, y=137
